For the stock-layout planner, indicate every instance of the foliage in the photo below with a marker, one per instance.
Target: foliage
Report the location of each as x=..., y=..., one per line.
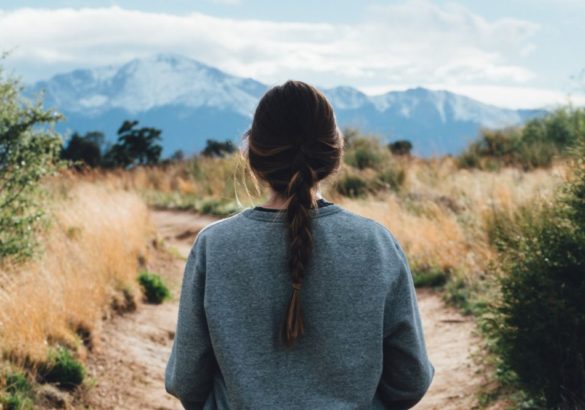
x=86, y=148
x=29, y=150
x=62, y=369
x=215, y=148
x=400, y=147
x=364, y=152
x=155, y=290
x=350, y=185
x=17, y=392
x=430, y=278
x=135, y=146
x=531, y=146
x=391, y=178
x=540, y=323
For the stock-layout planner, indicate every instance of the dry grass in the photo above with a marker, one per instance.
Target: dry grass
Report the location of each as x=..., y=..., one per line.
x=440, y=216
x=90, y=253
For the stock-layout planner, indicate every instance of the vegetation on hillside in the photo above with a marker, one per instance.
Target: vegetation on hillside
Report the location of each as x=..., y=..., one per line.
x=532, y=145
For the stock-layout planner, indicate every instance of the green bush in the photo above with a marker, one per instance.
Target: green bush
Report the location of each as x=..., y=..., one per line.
x=62, y=369
x=17, y=393
x=155, y=291
x=400, y=147
x=390, y=178
x=540, y=323
x=352, y=186
x=430, y=278
x=365, y=152
x=29, y=150
x=533, y=145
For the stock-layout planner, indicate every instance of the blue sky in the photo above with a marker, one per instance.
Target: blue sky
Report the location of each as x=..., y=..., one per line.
x=515, y=53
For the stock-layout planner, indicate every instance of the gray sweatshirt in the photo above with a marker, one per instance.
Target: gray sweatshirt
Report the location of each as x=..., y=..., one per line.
x=363, y=346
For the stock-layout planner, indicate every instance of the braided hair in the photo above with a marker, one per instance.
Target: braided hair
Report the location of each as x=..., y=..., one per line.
x=292, y=145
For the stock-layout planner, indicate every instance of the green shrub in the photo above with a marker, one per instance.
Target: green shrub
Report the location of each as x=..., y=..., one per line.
x=352, y=186
x=430, y=278
x=17, y=392
x=534, y=145
x=539, y=329
x=17, y=382
x=155, y=291
x=390, y=178
x=365, y=152
x=400, y=147
x=62, y=369
x=29, y=150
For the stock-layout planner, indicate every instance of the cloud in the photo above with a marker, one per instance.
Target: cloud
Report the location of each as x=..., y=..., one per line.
x=415, y=42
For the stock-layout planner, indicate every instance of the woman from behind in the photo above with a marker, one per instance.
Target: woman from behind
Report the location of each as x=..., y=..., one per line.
x=297, y=304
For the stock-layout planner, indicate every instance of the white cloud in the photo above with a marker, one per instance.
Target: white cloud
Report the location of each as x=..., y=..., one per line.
x=415, y=42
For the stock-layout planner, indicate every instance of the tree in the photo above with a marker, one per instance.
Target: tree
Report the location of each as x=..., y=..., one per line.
x=400, y=147
x=86, y=148
x=135, y=146
x=29, y=150
x=215, y=148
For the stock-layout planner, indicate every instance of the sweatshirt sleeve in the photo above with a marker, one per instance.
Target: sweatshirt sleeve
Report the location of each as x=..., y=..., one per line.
x=190, y=369
x=407, y=372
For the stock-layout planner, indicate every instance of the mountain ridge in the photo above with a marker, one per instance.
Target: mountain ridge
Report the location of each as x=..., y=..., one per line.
x=191, y=102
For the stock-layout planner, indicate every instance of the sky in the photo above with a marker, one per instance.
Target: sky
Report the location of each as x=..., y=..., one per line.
x=510, y=53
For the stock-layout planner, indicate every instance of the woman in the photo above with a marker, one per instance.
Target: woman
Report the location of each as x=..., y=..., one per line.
x=297, y=304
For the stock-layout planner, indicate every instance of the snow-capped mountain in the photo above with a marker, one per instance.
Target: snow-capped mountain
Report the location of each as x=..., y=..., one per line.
x=192, y=102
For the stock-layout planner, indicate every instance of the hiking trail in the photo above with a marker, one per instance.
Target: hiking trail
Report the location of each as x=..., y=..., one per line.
x=129, y=359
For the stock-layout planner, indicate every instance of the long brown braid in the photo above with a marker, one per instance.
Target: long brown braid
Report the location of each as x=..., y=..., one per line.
x=292, y=145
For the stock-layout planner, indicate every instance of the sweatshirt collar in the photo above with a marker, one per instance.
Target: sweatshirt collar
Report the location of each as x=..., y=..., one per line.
x=278, y=216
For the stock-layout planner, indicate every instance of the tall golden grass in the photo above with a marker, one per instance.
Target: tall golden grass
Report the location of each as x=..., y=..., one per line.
x=441, y=215
x=90, y=253
x=101, y=227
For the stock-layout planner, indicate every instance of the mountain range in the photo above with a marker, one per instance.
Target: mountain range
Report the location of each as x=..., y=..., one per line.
x=191, y=102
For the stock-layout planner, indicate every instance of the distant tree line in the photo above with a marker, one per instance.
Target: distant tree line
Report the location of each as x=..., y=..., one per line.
x=134, y=146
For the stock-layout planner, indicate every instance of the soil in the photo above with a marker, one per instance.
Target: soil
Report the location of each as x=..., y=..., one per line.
x=128, y=361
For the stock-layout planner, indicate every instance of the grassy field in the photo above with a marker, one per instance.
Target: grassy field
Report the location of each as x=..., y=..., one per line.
x=88, y=261
x=90, y=254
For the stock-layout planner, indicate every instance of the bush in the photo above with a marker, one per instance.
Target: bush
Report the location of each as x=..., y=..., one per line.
x=352, y=186
x=219, y=149
x=430, y=278
x=155, y=291
x=400, y=147
x=17, y=392
x=29, y=150
x=533, y=145
x=540, y=324
x=62, y=369
x=365, y=152
x=390, y=178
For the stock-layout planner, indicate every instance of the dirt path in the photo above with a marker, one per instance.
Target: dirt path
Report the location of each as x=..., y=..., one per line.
x=131, y=353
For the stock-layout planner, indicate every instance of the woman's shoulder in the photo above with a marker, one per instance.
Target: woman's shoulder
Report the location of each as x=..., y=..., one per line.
x=364, y=224
x=225, y=227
